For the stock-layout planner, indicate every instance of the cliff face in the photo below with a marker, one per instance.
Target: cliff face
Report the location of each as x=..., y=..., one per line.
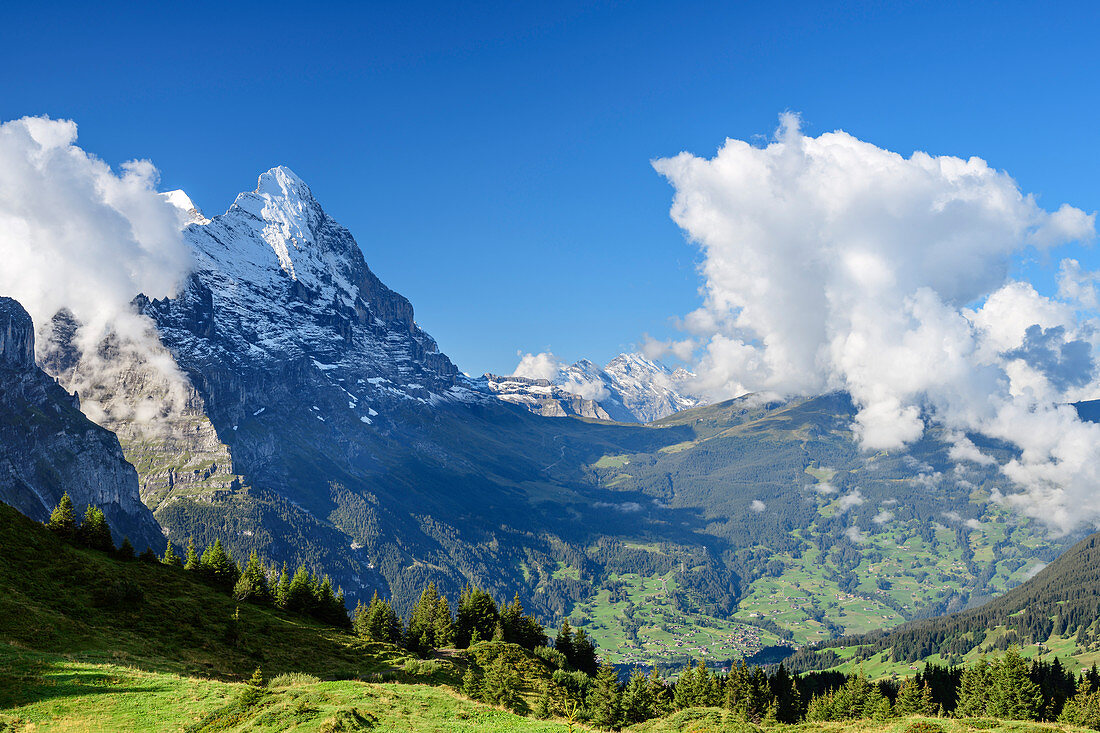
x=48, y=447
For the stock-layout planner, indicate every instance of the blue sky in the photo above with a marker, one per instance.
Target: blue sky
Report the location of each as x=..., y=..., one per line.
x=494, y=163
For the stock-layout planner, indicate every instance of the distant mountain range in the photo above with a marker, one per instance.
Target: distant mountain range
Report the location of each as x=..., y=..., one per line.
x=631, y=388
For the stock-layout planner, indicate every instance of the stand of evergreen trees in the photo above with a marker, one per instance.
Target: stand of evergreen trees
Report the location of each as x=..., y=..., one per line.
x=431, y=626
x=1007, y=687
x=304, y=592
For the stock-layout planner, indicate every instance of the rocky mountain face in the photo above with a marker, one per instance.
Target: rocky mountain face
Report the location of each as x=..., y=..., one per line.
x=287, y=401
x=48, y=447
x=631, y=388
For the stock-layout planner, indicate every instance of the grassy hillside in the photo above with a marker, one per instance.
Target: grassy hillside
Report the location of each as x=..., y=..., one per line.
x=89, y=642
x=57, y=598
x=59, y=694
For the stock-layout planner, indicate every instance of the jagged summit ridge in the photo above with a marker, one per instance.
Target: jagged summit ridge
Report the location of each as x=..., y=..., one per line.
x=281, y=278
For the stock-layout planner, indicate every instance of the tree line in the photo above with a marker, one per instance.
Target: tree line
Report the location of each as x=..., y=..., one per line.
x=1006, y=687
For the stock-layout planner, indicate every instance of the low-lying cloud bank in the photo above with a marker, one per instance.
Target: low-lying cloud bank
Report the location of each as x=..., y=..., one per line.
x=832, y=264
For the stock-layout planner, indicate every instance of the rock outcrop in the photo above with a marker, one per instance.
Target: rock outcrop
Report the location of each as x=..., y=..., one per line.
x=48, y=447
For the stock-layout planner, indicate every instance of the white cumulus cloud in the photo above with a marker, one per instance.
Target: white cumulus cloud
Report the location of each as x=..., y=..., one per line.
x=832, y=264
x=543, y=365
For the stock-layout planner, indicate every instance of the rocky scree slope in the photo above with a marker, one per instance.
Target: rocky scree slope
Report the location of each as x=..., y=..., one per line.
x=48, y=447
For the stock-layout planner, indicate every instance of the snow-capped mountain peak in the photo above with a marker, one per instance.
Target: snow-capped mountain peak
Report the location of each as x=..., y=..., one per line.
x=649, y=389
x=277, y=281
x=631, y=388
x=286, y=216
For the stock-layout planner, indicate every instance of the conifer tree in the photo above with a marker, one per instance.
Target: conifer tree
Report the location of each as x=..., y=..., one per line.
x=914, y=699
x=544, y=706
x=476, y=617
x=784, y=690
x=973, y=696
x=661, y=694
x=125, y=550
x=685, y=693
x=62, y=520
x=233, y=628
x=301, y=596
x=737, y=691
x=252, y=583
x=519, y=628
x=217, y=566
x=340, y=610
x=564, y=640
x=1093, y=677
x=94, y=532
x=637, y=700
x=471, y=683
x=171, y=558
x=147, y=555
x=1084, y=708
x=856, y=699
x=820, y=709
x=443, y=625
x=255, y=690
x=884, y=710
x=584, y=654
x=1013, y=696
x=420, y=630
x=377, y=621
x=282, y=588
x=604, y=698
x=501, y=685
x=193, y=561
x=359, y=617
x=771, y=715
x=329, y=608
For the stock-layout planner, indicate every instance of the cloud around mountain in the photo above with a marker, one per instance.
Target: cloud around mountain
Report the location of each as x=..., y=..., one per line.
x=78, y=235
x=832, y=264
